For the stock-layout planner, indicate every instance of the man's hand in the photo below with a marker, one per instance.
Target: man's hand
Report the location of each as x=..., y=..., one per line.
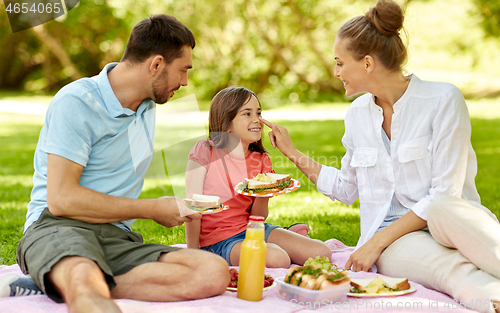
x=172, y=212
x=279, y=137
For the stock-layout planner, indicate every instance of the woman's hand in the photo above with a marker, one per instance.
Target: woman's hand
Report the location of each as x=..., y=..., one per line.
x=279, y=137
x=363, y=258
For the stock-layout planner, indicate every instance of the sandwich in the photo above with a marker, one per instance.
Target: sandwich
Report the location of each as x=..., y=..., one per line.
x=202, y=203
x=265, y=183
x=315, y=278
x=379, y=284
x=396, y=284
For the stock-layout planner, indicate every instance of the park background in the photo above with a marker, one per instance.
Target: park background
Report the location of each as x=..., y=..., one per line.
x=282, y=50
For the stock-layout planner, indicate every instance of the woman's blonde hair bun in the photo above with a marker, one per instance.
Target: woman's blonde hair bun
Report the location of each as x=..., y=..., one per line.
x=387, y=17
x=377, y=33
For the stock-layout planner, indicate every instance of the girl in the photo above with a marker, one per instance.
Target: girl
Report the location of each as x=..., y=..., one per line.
x=234, y=152
x=410, y=161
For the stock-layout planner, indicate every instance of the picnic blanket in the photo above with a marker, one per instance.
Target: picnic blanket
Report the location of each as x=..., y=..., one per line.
x=423, y=300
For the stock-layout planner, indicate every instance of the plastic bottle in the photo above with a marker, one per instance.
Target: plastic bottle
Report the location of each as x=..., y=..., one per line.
x=252, y=261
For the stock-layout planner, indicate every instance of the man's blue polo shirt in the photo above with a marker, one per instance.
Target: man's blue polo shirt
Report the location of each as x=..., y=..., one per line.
x=85, y=123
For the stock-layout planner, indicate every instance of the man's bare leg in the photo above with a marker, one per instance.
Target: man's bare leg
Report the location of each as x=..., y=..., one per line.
x=82, y=285
x=180, y=275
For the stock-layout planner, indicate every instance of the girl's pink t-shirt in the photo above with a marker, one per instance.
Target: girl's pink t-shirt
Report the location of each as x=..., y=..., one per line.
x=219, y=226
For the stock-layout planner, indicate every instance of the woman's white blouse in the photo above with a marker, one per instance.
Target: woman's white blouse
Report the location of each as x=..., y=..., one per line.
x=431, y=154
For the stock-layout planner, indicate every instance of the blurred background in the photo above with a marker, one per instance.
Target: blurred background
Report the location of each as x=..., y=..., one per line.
x=281, y=49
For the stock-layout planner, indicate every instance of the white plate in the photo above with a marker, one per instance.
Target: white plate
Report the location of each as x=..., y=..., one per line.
x=225, y=207
x=392, y=294
x=265, y=288
x=293, y=186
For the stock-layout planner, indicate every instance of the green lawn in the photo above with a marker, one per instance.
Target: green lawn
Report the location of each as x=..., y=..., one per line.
x=320, y=140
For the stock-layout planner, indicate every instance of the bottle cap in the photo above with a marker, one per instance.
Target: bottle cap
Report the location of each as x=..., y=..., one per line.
x=257, y=218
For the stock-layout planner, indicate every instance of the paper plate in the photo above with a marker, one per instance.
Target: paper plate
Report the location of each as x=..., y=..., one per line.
x=372, y=295
x=265, y=288
x=292, y=187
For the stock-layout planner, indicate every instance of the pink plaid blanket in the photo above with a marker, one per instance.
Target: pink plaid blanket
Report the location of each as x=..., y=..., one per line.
x=423, y=300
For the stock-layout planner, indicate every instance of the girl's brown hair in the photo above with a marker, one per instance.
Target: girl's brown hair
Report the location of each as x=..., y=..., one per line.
x=223, y=109
x=377, y=33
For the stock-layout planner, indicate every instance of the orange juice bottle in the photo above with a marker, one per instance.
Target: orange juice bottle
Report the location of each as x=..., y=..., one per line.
x=252, y=261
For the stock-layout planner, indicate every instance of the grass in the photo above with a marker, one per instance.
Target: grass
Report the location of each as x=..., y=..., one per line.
x=320, y=140
x=18, y=138
x=23, y=96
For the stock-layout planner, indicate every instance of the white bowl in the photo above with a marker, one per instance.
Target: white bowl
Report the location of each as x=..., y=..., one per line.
x=290, y=292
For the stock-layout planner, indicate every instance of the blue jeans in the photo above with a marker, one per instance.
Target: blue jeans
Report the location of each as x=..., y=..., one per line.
x=224, y=247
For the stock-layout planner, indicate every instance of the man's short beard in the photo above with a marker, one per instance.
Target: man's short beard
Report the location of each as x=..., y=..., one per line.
x=160, y=96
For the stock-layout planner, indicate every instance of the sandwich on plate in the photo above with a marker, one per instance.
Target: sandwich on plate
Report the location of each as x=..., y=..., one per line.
x=265, y=183
x=203, y=204
x=379, y=284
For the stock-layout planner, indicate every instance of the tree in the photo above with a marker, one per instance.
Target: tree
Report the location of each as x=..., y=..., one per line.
x=58, y=52
x=490, y=11
x=281, y=49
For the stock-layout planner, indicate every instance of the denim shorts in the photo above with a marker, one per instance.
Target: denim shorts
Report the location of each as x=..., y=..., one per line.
x=224, y=247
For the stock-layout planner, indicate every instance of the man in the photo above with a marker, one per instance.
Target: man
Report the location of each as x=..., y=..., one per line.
x=90, y=161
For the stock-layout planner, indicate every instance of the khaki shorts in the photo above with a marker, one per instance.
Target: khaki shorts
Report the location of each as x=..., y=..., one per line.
x=51, y=238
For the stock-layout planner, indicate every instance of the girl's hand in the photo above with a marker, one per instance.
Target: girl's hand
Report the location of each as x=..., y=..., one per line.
x=279, y=137
x=363, y=258
x=260, y=207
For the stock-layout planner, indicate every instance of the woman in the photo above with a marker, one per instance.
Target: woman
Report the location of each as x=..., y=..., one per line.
x=410, y=161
